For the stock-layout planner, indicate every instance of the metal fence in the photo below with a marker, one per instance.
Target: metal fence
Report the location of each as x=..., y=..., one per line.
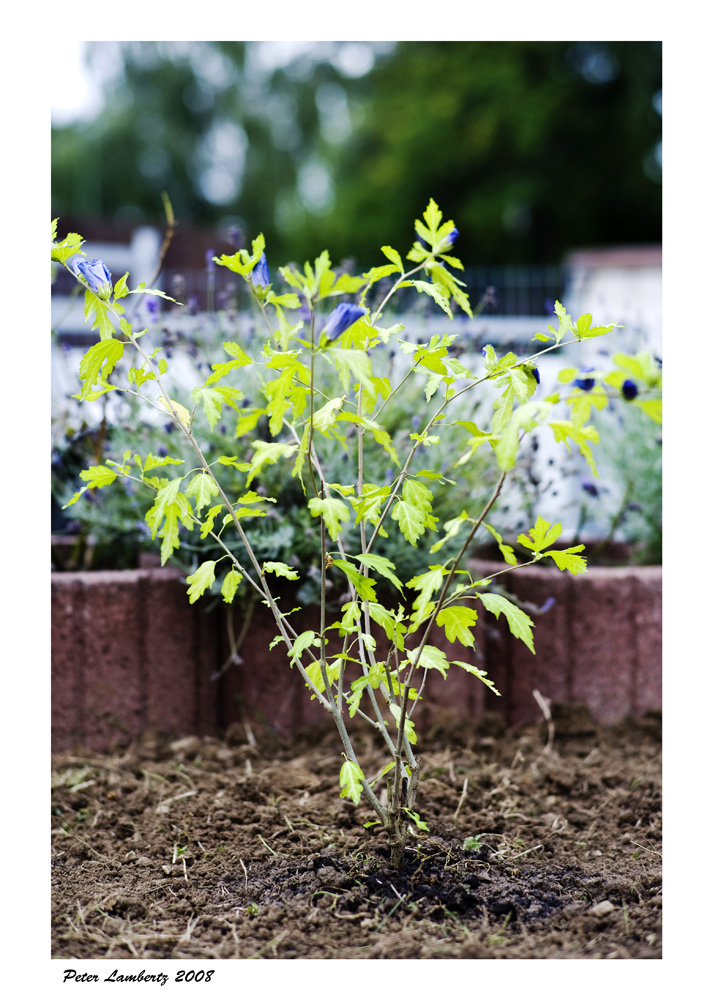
x=508, y=291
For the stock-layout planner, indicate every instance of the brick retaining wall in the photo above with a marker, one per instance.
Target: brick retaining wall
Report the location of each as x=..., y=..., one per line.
x=129, y=652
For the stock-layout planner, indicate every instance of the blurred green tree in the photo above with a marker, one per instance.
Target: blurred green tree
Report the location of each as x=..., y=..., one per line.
x=535, y=146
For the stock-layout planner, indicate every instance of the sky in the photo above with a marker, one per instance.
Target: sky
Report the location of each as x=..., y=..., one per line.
x=75, y=98
x=72, y=96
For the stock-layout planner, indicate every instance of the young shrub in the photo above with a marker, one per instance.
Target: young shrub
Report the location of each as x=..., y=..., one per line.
x=326, y=384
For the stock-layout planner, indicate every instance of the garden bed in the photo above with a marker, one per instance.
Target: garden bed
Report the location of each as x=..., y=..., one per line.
x=129, y=652
x=241, y=848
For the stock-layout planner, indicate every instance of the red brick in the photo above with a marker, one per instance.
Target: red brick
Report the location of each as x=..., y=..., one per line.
x=114, y=682
x=603, y=643
x=648, y=615
x=178, y=654
x=547, y=670
x=264, y=684
x=129, y=651
x=67, y=657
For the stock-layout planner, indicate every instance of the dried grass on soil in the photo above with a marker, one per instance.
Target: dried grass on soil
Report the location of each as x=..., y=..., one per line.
x=234, y=849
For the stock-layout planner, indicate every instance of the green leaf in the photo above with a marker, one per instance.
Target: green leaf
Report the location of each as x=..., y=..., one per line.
x=139, y=376
x=141, y=289
x=172, y=407
x=433, y=216
x=351, y=780
x=326, y=417
x=99, y=362
x=565, y=323
x=280, y=569
x=201, y=580
x=236, y=352
x=352, y=366
x=541, y=535
x=503, y=409
x=383, y=566
x=416, y=819
x=426, y=584
x=525, y=418
x=252, y=497
x=458, y=621
x=410, y=521
x=207, y=525
x=431, y=658
x=653, y=408
x=367, y=507
x=211, y=401
x=67, y=247
x=476, y=672
x=375, y=274
x=565, y=559
x=390, y=622
x=267, y=453
x=520, y=623
x=203, y=487
x=169, y=532
x=581, y=403
x=120, y=288
x=101, y=321
x=314, y=672
x=451, y=528
x=409, y=729
x=97, y=476
x=301, y=643
x=583, y=328
x=363, y=585
x=235, y=462
x=166, y=496
x=508, y=553
x=333, y=511
x=230, y=585
x=412, y=518
x=393, y=256
x=435, y=292
x=450, y=286
x=563, y=430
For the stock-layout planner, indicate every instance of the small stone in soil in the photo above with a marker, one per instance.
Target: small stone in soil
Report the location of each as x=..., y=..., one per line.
x=601, y=909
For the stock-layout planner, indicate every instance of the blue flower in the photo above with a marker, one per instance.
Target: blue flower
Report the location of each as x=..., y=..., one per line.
x=73, y=264
x=536, y=373
x=260, y=274
x=447, y=242
x=591, y=489
x=97, y=277
x=585, y=384
x=629, y=389
x=152, y=307
x=548, y=605
x=341, y=318
x=209, y=262
x=236, y=237
x=484, y=350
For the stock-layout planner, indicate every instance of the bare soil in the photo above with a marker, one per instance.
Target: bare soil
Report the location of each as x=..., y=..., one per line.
x=241, y=848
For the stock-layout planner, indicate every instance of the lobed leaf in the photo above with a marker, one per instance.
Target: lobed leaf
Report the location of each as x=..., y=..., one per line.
x=201, y=580
x=520, y=624
x=351, y=780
